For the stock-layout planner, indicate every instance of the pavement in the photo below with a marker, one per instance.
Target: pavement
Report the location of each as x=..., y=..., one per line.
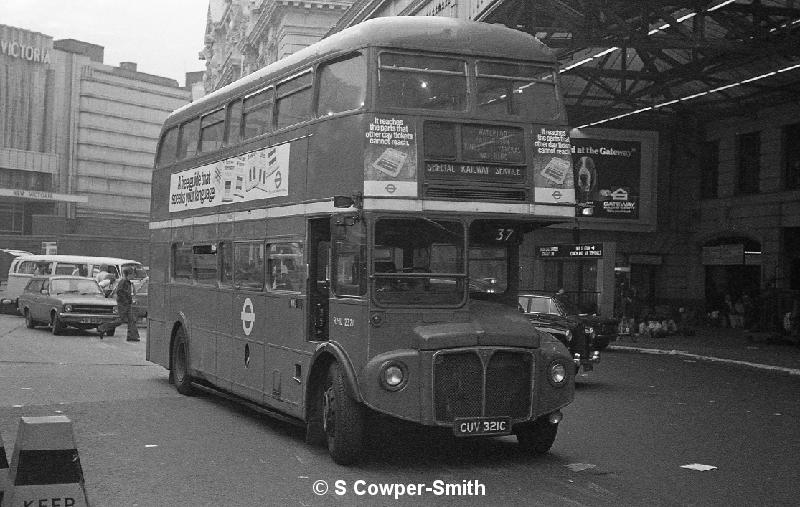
x=765, y=351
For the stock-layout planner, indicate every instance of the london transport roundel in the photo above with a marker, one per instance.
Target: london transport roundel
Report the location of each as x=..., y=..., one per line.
x=248, y=316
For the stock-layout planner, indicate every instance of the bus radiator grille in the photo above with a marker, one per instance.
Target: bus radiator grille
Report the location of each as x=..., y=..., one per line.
x=508, y=384
x=458, y=381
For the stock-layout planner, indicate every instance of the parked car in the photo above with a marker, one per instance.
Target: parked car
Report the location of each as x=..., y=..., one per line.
x=59, y=301
x=584, y=335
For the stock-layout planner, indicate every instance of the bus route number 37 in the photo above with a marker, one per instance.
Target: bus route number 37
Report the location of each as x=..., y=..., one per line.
x=475, y=426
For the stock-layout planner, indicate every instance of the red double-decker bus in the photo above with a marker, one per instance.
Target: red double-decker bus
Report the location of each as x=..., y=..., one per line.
x=339, y=232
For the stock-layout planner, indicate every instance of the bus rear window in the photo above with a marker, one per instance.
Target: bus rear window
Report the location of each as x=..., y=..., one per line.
x=422, y=82
x=187, y=143
x=168, y=147
x=517, y=90
x=212, y=128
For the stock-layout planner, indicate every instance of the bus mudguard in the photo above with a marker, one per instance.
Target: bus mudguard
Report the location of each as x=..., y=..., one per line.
x=334, y=350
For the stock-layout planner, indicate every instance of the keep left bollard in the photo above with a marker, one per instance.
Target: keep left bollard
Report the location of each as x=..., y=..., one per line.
x=45, y=467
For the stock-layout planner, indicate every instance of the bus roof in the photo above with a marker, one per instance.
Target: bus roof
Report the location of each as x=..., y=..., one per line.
x=448, y=35
x=76, y=259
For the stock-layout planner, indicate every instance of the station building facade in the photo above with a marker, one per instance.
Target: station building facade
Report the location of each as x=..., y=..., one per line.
x=77, y=142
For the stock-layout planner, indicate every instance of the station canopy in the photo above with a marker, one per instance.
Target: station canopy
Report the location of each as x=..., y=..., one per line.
x=621, y=58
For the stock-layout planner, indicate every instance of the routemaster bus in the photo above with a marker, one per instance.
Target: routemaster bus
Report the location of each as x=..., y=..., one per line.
x=339, y=233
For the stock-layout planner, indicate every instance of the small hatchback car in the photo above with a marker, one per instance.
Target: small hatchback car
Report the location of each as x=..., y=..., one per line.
x=61, y=301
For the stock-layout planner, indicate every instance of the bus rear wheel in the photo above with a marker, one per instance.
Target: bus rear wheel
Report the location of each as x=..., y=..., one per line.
x=342, y=418
x=536, y=437
x=180, y=365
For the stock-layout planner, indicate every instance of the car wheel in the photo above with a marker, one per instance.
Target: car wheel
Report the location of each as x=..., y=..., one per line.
x=56, y=326
x=180, y=364
x=536, y=437
x=342, y=418
x=29, y=322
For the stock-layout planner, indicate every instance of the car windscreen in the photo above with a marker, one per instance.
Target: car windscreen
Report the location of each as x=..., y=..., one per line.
x=74, y=286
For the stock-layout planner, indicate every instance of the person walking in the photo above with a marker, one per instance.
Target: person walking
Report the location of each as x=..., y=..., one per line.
x=125, y=312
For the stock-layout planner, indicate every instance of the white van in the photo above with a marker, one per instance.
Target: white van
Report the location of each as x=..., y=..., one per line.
x=25, y=266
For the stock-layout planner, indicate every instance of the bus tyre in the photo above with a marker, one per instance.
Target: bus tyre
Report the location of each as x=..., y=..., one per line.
x=180, y=365
x=55, y=324
x=342, y=418
x=536, y=437
x=29, y=322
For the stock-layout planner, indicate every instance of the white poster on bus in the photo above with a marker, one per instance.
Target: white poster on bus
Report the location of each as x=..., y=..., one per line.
x=390, y=158
x=260, y=174
x=552, y=166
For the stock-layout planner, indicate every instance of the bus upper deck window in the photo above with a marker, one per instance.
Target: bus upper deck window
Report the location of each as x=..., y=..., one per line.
x=294, y=100
x=258, y=113
x=212, y=128
x=188, y=139
x=422, y=82
x=342, y=86
x=233, y=125
x=168, y=147
x=517, y=89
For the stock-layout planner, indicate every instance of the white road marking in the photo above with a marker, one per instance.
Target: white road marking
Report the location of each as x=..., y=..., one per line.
x=699, y=467
x=684, y=353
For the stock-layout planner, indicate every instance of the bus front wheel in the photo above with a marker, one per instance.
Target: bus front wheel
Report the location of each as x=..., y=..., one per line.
x=342, y=418
x=180, y=365
x=536, y=437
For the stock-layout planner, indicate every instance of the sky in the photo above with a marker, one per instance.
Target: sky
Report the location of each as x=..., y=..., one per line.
x=163, y=37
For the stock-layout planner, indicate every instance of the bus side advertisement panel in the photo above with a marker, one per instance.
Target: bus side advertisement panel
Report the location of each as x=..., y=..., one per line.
x=390, y=157
x=260, y=174
x=552, y=165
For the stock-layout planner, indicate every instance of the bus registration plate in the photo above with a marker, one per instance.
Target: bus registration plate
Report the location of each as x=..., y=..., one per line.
x=481, y=426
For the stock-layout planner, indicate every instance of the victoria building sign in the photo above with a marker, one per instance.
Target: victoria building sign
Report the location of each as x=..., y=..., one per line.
x=16, y=49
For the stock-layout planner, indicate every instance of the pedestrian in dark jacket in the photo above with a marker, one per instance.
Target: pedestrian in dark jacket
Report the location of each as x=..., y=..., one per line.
x=125, y=312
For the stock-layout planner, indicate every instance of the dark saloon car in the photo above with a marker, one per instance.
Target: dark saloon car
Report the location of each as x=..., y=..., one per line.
x=61, y=301
x=585, y=335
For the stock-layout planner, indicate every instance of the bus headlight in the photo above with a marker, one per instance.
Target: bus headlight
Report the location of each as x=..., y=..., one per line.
x=557, y=373
x=114, y=309
x=393, y=375
x=67, y=308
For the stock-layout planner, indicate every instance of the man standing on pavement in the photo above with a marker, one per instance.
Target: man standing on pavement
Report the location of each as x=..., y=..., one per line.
x=125, y=312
